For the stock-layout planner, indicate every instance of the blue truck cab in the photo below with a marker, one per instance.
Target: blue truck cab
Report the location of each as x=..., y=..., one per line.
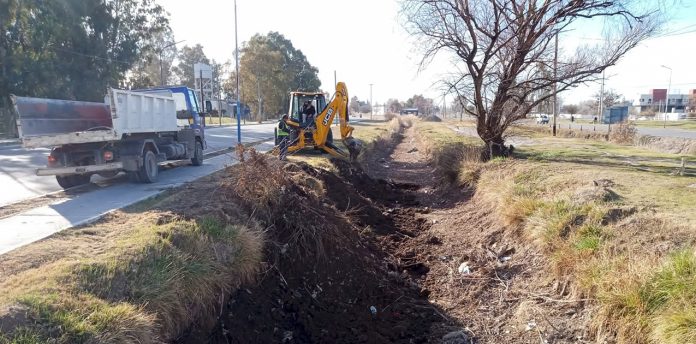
x=189, y=113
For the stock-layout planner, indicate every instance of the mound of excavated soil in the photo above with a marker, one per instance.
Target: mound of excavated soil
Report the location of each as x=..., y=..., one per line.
x=350, y=291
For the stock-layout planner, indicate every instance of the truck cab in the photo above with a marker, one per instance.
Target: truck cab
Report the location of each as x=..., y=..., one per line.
x=188, y=112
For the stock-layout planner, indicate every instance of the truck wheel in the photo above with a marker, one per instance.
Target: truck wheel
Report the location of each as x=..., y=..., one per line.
x=149, y=171
x=69, y=181
x=197, y=159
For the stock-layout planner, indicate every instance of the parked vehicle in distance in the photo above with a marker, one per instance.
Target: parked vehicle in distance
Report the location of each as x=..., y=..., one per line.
x=542, y=119
x=131, y=131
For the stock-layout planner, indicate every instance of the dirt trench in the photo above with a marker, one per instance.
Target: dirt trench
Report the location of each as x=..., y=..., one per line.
x=407, y=259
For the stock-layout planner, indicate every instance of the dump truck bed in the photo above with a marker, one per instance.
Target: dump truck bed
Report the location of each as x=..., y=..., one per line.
x=52, y=122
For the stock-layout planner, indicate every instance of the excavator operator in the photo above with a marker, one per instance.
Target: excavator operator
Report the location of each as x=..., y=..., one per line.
x=308, y=112
x=283, y=133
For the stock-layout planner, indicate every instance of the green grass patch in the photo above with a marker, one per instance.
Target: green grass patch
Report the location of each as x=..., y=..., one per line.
x=146, y=286
x=688, y=125
x=657, y=304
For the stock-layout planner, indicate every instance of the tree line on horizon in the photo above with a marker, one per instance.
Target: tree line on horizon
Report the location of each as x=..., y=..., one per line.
x=76, y=50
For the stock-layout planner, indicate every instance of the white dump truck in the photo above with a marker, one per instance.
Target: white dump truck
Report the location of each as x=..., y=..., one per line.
x=131, y=131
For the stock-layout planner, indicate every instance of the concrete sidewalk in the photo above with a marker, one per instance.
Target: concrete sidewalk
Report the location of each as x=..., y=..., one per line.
x=36, y=224
x=10, y=143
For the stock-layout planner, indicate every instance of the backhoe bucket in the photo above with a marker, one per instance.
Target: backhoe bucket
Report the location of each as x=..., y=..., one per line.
x=354, y=147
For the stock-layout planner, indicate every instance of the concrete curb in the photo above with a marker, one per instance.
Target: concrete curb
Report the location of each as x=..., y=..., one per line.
x=214, y=125
x=10, y=143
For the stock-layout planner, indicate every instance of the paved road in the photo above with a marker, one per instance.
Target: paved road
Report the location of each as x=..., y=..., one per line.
x=659, y=132
x=17, y=165
x=38, y=223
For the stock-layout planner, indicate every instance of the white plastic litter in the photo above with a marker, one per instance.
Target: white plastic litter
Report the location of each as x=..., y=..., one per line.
x=464, y=268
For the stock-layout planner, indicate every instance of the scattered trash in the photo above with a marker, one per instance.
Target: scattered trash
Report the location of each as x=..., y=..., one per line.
x=530, y=325
x=284, y=249
x=505, y=259
x=287, y=336
x=604, y=183
x=456, y=337
x=693, y=186
x=373, y=310
x=464, y=268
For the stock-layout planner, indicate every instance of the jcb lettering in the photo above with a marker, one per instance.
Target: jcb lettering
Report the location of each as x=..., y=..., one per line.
x=326, y=118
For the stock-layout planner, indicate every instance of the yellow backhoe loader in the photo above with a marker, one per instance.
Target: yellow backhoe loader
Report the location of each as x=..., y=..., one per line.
x=316, y=132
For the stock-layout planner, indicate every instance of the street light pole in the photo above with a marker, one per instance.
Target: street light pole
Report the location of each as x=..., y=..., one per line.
x=664, y=125
x=160, y=60
x=236, y=59
x=371, y=105
x=555, y=84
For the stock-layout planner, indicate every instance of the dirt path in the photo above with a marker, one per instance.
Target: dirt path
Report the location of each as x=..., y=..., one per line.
x=406, y=164
x=491, y=286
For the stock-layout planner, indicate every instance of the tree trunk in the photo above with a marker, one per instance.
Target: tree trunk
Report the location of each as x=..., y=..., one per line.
x=496, y=147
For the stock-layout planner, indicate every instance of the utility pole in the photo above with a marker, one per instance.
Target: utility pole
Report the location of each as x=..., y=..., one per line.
x=667, y=95
x=335, y=80
x=258, y=95
x=444, y=106
x=202, y=104
x=371, y=110
x=555, y=84
x=601, y=99
x=236, y=60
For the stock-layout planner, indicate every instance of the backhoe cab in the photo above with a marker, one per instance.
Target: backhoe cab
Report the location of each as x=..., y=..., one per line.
x=308, y=132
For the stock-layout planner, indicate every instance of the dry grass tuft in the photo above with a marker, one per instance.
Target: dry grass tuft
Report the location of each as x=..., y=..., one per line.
x=148, y=287
x=458, y=159
x=651, y=300
x=390, y=116
x=285, y=198
x=624, y=133
x=432, y=118
x=675, y=145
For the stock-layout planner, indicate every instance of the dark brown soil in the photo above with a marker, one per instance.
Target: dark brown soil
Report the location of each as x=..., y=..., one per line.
x=351, y=292
x=393, y=245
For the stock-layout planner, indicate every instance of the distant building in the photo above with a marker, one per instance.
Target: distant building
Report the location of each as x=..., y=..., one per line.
x=410, y=111
x=655, y=101
x=615, y=114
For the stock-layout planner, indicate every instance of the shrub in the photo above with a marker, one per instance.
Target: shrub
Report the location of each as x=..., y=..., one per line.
x=432, y=118
x=623, y=133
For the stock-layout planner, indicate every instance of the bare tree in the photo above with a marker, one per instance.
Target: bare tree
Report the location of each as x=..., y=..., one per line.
x=505, y=49
x=571, y=109
x=609, y=98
